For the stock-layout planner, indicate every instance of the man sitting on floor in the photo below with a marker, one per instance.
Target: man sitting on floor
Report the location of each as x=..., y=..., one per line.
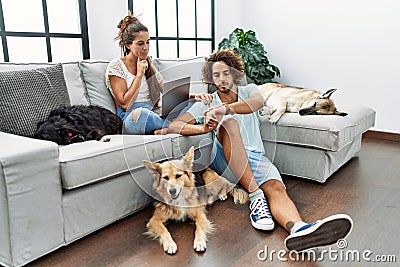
x=238, y=154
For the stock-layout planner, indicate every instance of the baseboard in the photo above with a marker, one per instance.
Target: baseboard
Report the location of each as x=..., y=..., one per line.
x=382, y=135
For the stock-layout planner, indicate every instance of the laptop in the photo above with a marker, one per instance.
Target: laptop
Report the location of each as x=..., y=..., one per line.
x=175, y=97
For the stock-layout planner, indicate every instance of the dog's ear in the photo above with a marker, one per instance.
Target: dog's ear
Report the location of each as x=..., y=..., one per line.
x=340, y=113
x=328, y=93
x=152, y=166
x=189, y=155
x=187, y=160
x=154, y=169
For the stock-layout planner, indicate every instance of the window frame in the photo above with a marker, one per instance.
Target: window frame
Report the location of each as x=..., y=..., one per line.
x=158, y=38
x=83, y=35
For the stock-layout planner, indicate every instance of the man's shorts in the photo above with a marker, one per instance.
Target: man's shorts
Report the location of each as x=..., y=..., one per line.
x=262, y=167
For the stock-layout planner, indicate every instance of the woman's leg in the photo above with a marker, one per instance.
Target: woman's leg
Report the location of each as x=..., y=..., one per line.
x=164, y=130
x=143, y=121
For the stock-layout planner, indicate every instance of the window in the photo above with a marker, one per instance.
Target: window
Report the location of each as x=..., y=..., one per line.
x=55, y=30
x=178, y=28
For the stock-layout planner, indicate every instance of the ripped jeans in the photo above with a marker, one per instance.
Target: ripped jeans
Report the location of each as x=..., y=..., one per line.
x=148, y=120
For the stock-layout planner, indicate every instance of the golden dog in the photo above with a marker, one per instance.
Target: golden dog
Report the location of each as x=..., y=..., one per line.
x=280, y=98
x=178, y=198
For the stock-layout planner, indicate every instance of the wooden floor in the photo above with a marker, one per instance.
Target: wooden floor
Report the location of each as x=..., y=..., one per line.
x=367, y=188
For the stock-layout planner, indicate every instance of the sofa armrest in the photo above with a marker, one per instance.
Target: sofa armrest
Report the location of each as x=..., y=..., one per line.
x=31, y=221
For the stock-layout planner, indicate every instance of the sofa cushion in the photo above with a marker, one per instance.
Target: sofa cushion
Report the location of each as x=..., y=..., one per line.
x=172, y=69
x=202, y=143
x=28, y=96
x=330, y=132
x=93, y=72
x=72, y=75
x=93, y=161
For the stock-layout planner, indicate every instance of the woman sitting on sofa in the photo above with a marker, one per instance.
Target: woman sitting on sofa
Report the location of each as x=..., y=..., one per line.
x=134, y=82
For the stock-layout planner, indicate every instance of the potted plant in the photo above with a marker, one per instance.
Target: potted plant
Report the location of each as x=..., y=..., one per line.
x=257, y=67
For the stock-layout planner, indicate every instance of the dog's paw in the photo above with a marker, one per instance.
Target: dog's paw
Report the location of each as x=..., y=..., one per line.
x=105, y=139
x=273, y=119
x=264, y=111
x=223, y=196
x=210, y=200
x=199, y=245
x=170, y=247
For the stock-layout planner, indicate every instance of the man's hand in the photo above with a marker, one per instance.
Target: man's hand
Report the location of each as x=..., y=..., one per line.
x=210, y=124
x=213, y=116
x=205, y=98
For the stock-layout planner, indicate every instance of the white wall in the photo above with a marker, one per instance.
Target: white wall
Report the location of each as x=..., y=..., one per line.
x=351, y=45
x=103, y=18
x=104, y=15
x=228, y=16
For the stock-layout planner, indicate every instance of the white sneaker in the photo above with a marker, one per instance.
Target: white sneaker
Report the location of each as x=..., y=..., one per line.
x=260, y=215
x=320, y=233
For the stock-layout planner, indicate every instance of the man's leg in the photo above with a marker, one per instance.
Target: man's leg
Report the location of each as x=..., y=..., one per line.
x=302, y=235
x=235, y=154
x=230, y=152
x=282, y=207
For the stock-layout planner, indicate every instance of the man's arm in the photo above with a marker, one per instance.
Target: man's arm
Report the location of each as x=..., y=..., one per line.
x=246, y=106
x=185, y=125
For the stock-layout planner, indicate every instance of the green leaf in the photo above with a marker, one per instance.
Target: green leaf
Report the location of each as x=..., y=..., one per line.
x=257, y=66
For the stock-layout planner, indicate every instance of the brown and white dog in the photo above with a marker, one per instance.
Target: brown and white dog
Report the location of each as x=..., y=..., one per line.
x=280, y=98
x=178, y=199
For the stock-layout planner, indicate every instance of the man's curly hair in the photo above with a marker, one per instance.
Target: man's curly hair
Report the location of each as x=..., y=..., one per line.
x=231, y=58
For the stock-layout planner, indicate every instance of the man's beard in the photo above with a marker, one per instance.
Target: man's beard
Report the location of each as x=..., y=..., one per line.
x=225, y=88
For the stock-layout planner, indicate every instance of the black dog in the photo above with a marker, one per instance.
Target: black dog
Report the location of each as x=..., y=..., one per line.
x=78, y=123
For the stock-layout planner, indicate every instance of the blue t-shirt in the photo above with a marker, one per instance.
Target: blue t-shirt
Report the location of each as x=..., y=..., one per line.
x=248, y=123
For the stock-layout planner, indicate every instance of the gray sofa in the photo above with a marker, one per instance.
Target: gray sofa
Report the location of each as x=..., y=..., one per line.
x=52, y=195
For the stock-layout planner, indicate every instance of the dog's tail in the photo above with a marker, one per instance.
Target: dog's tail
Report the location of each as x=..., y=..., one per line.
x=239, y=195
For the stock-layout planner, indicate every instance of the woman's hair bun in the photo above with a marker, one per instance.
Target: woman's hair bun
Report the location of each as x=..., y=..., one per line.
x=130, y=18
